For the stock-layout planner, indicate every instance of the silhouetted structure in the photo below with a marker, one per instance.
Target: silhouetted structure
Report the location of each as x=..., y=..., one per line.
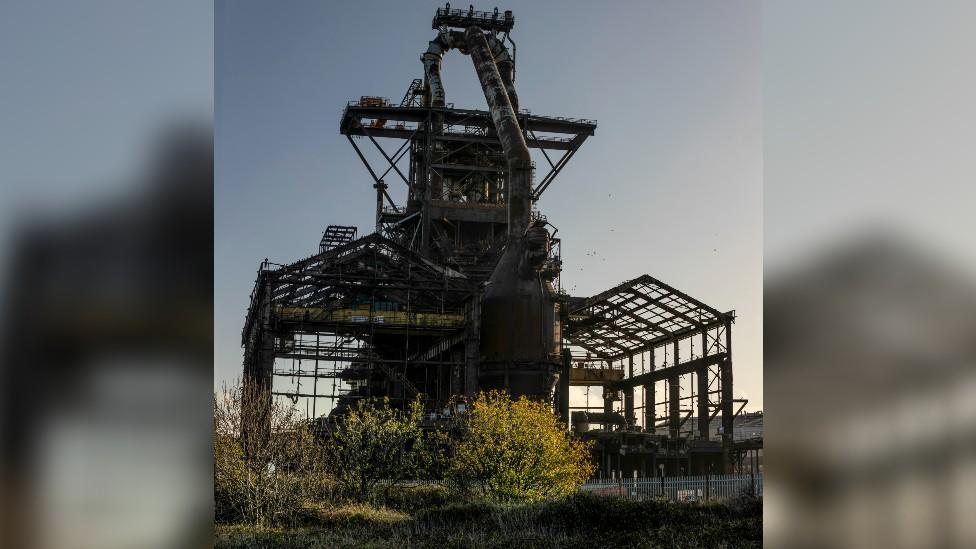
x=459, y=289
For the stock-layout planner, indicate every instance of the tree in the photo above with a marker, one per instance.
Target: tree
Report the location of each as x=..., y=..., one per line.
x=374, y=443
x=517, y=450
x=270, y=484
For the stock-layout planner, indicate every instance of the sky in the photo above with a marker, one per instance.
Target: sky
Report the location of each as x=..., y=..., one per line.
x=87, y=88
x=881, y=114
x=670, y=185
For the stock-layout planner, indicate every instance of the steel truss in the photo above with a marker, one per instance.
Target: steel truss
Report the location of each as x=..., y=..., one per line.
x=365, y=317
x=448, y=144
x=674, y=348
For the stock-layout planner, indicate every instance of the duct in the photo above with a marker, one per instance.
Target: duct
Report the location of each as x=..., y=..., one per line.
x=434, y=95
x=441, y=44
x=581, y=419
x=495, y=59
x=432, y=71
x=509, y=132
x=444, y=42
x=506, y=68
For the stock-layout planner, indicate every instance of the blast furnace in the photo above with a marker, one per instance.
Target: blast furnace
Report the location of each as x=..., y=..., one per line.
x=458, y=287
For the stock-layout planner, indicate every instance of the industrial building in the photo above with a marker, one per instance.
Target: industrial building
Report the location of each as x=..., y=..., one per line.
x=458, y=288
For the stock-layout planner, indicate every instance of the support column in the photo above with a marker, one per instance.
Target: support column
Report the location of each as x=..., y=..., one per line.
x=472, y=349
x=380, y=187
x=674, y=411
x=629, y=397
x=650, y=401
x=608, y=399
x=728, y=425
x=674, y=399
x=702, y=376
x=629, y=406
x=564, y=386
x=649, y=418
x=428, y=175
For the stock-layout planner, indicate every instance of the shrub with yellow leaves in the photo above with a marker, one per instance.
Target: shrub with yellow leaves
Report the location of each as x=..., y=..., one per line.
x=517, y=450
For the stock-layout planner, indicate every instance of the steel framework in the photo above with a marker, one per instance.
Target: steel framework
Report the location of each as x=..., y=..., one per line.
x=398, y=313
x=662, y=341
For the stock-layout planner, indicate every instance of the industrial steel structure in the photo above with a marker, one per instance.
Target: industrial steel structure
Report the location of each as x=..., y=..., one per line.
x=458, y=289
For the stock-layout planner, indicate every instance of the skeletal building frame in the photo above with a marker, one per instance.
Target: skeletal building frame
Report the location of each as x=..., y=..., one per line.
x=293, y=333
x=397, y=313
x=644, y=334
x=431, y=136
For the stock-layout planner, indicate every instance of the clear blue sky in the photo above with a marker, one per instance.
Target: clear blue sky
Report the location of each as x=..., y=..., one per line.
x=87, y=87
x=671, y=185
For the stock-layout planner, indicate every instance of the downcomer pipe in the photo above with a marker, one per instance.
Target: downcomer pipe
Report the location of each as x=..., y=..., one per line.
x=432, y=70
x=506, y=68
x=509, y=132
x=445, y=41
x=434, y=95
x=431, y=58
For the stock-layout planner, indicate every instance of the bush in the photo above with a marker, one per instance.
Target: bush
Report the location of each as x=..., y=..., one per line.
x=694, y=524
x=517, y=451
x=376, y=444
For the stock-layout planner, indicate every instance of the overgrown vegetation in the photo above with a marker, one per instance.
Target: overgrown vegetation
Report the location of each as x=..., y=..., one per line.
x=513, y=469
x=580, y=520
x=376, y=443
x=271, y=483
x=517, y=451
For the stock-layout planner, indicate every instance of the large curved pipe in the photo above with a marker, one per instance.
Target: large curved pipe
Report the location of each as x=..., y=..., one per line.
x=432, y=70
x=434, y=93
x=509, y=133
x=506, y=68
x=436, y=48
x=444, y=42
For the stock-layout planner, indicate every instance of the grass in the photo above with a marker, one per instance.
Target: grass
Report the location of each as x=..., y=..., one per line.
x=352, y=515
x=581, y=520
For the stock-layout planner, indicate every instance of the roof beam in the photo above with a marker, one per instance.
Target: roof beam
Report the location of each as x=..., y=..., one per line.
x=631, y=314
x=668, y=308
x=678, y=370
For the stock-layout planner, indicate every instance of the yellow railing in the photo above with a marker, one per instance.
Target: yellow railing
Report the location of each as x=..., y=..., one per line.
x=453, y=204
x=400, y=318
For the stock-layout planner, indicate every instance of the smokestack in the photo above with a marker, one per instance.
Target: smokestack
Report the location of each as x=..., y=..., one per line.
x=509, y=132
